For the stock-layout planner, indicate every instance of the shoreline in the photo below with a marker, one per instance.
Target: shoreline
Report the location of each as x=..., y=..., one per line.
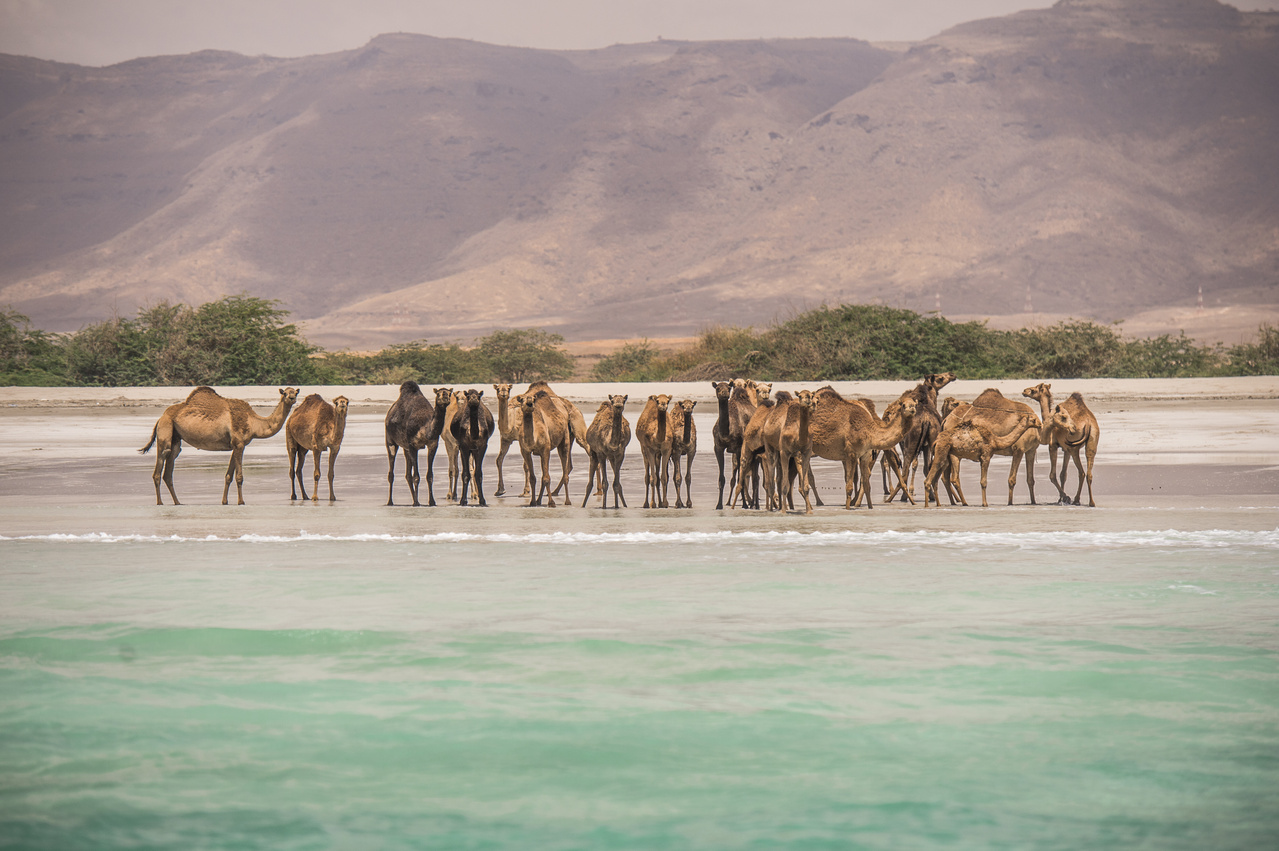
x=1100, y=390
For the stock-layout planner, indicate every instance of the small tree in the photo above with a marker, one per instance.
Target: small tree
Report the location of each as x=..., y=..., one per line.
x=525, y=355
x=28, y=356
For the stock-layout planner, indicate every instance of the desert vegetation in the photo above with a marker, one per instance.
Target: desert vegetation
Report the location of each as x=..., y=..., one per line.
x=242, y=339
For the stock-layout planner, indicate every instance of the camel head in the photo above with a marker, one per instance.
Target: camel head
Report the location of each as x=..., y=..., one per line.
x=443, y=395
x=503, y=392
x=948, y=404
x=617, y=402
x=762, y=389
x=340, y=405
x=289, y=395
x=663, y=402
x=528, y=402
x=472, y=399
x=807, y=399
x=686, y=406
x=1062, y=419
x=1038, y=392
x=723, y=389
x=938, y=380
x=907, y=408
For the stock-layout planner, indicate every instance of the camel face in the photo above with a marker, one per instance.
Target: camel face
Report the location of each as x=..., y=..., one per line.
x=1037, y=392
x=938, y=380
x=290, y=395
x=663, y=402
x=723, y=389
x=503, y=391
x=948, y=404
x=909, y=406
x=618, y=402
x=443, y=395
x=687, y=406
x=472, y=398
x=763, y=389
x=807, y=398
x=340, y=404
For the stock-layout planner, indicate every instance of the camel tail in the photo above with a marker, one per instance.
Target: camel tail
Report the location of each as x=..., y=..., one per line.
x=144, y=450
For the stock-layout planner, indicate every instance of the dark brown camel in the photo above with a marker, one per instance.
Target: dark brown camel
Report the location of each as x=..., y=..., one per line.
x=926, y=427
x=411, y=424
x=471, y=429
x=607, y=437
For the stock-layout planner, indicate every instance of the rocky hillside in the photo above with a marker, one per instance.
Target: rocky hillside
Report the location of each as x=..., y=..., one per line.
x=1108, y=157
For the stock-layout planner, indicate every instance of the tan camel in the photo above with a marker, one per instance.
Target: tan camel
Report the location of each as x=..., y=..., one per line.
x=413, y=423
x=1077, y=430
x=314, y=426
x=683, y=445
x=509, y=420
x=608, y=436
x=789, y=444
x=827, y=424
x=737, y=401
x=544, y=427
x=753, y=453
x=576, y=422
x=1000, y=415
x=456, y=401
x=867, y=434
x=655, y=440
x=976, y=443
x=217, y=424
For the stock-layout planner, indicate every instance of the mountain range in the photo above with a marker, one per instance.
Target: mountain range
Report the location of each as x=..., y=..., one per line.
x=1104, y=159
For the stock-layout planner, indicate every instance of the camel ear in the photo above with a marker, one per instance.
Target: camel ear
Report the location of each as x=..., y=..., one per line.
x=481, y=394
x=652, y=398
x=625, y=396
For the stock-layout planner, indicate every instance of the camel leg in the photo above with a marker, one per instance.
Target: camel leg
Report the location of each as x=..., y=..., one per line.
x=234, y=470
x=688, y=477
x=413, y=474
x=985, y=465
x=592, y=471
x=1012, y=475
x=162, y=454
x=391, y=451
x=546, y=478
x=315, y=491
x=664, y=479
x=477, y=477
x=296, y=463
x=617, y=481
x=1092, y=453
x=333, y=454
x=1079, y=467
x=1030, y=475
x=808, y=476
x=464, y=475
x=566, y=467
x=679, y=479
x=501, y=456
x=803, y=466
x=1057, y=480
x=530, y=475
x=719, y=459
x=863, y=482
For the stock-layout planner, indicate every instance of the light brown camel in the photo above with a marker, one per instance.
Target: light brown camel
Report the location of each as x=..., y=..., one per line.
x=827, y=424
x=314, y=426
x=509, y=420
x=976, y=443
x=918, y=442
x=450, y=445
x=736, y=401
x=753, y=452
x=1001, y=415
x=576, y=422
x=212, y=422
x=655, y=440
x=683, y=445
x=413, y=423
x=867, y=434
x=608, y=436
x=471, y=428
x=544, y=427
x=1077, y=430
x=789, y=444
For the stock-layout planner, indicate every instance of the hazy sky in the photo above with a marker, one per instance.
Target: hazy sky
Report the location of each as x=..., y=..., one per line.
x=101, y=32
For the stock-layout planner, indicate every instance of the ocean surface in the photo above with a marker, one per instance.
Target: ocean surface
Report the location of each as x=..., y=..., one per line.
x=352, y=675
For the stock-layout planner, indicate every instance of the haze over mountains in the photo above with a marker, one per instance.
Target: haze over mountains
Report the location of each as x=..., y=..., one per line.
x=1105, y=157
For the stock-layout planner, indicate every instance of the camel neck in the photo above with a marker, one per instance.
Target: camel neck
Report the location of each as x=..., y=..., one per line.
x=661, y=426
x=275, y=420
x=615, y=432
x=723, y=416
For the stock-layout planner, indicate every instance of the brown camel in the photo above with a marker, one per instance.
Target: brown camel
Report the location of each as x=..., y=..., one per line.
x=789, y=445
x=1077, y=430
x=543, y=427
x=412, y=423
x=212, y=422
x=314, y=427
x=867, y=434
x=608, y=436
x=655, y=440
x=975, y=442
x=752, y=452
x=471, y=428
x=683, y=445
x=737, y=400
x=927, y=425
x=1000, y=415
x=450, y=445
x=509, y=419
x=827, y=425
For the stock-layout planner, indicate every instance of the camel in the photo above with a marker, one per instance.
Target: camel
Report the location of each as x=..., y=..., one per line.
x=753, y=450
x=607, y=437
x=826, y=425
x=1077, y=430
x=655, y=440
x=508, y=427
x=789, y=441
x=927, y=425
x=683, y=445
x=975, y=442
x=314, y=427
x=737, y=400
x=999, y=415
x=543, y=427
x=212, y=422
x=471, y=428
x=411, y=424
x=866, y=434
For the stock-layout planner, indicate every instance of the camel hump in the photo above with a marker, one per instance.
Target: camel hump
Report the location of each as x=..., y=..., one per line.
x=410, y=388
x=202, y=390
x=783, y=396
x=1076, y=397
x=992, y=398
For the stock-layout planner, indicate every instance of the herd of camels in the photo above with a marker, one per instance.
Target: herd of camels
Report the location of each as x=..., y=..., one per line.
x=762, y=437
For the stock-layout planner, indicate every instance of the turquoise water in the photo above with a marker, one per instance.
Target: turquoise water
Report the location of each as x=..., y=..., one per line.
x=1018, y=678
